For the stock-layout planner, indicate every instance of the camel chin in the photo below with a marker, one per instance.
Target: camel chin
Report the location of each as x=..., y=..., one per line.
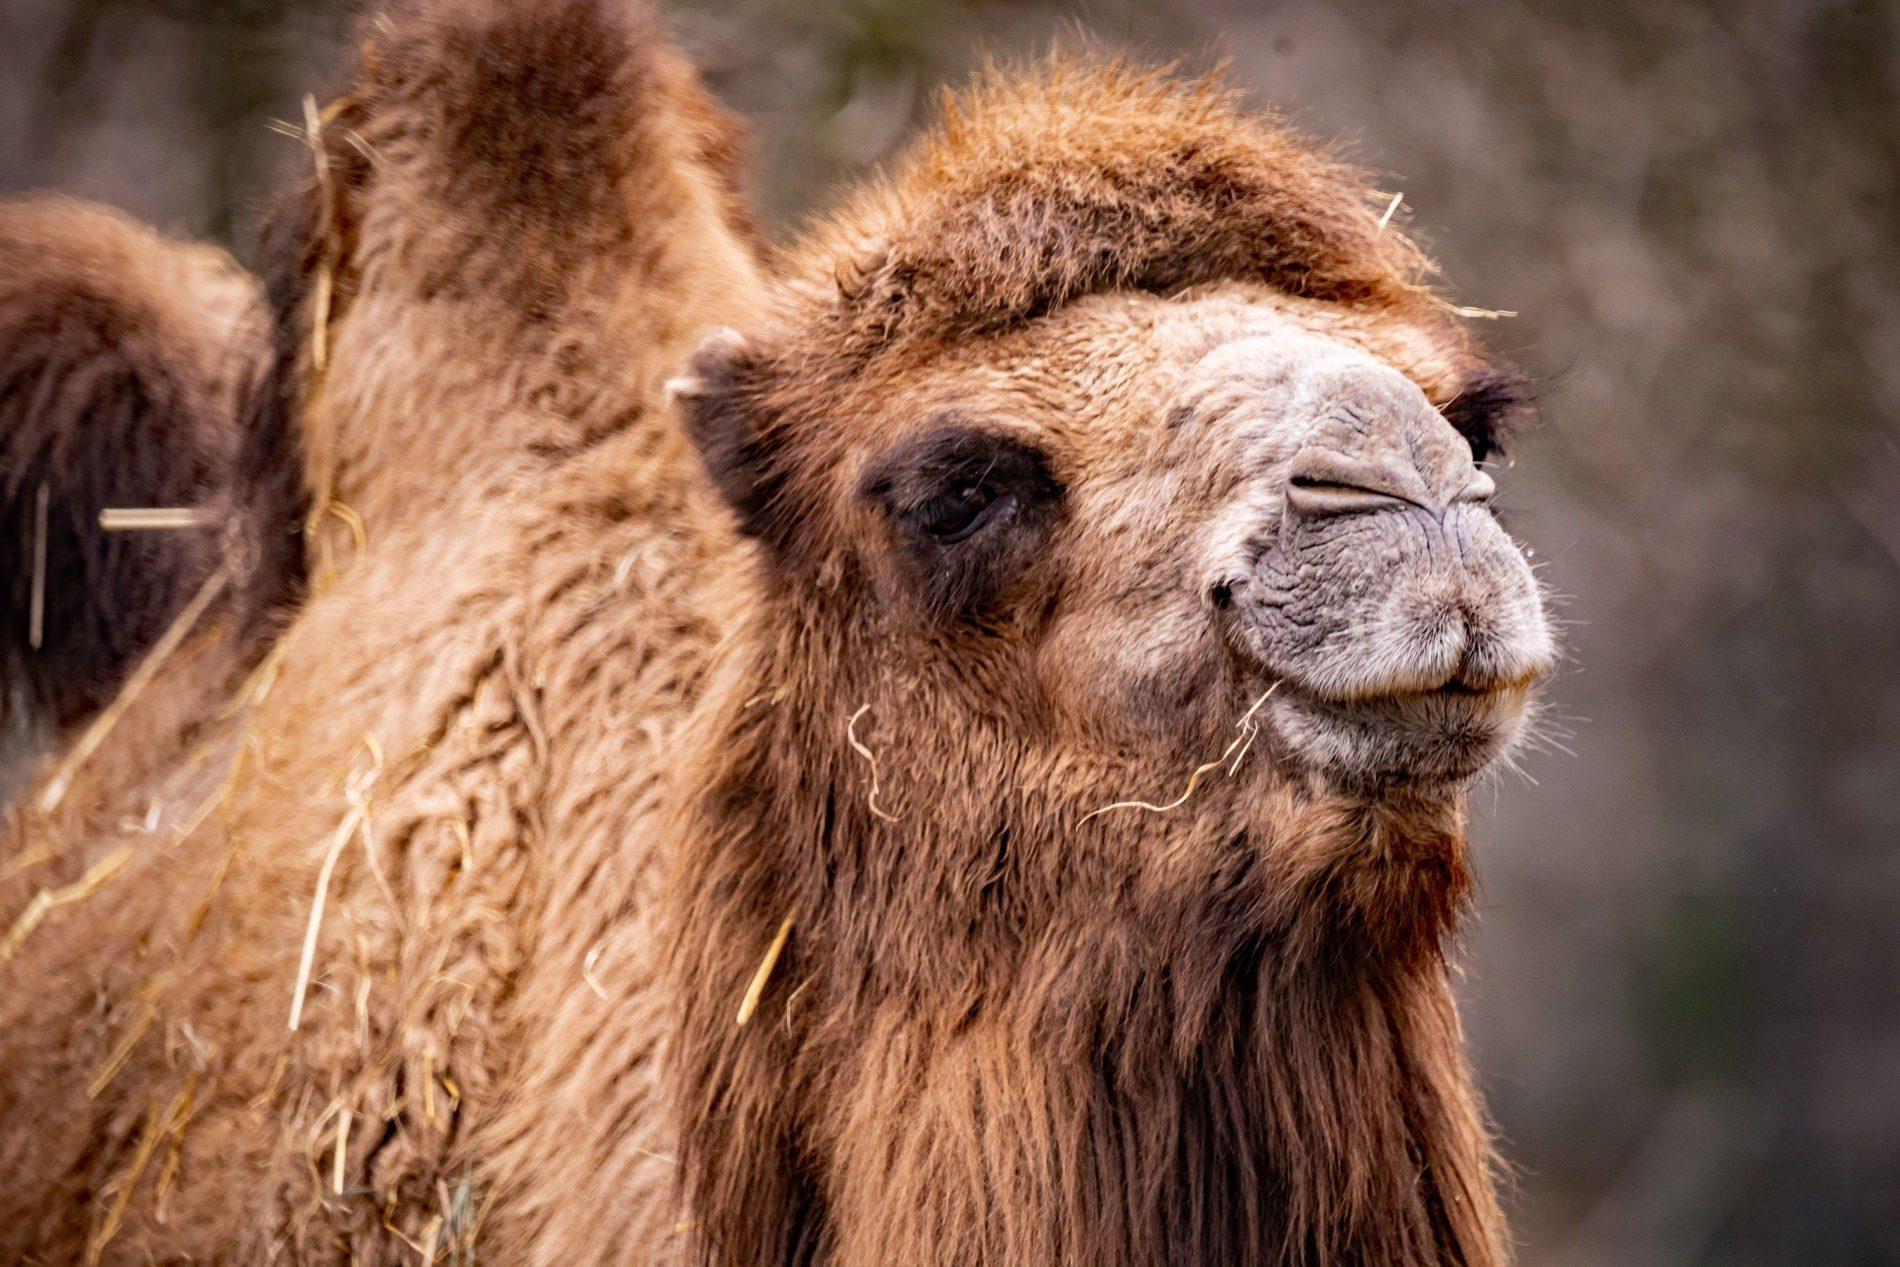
x=1446, y=735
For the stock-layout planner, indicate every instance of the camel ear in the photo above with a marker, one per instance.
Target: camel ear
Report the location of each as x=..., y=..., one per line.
x=717, y=401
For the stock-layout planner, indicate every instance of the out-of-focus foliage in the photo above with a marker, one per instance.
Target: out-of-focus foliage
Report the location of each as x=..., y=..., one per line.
x=1685, y=988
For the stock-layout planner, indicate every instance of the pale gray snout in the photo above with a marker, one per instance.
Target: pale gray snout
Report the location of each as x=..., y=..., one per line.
x=1388, y=573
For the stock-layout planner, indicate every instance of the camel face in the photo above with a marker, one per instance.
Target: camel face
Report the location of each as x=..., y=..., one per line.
x=1218, y=492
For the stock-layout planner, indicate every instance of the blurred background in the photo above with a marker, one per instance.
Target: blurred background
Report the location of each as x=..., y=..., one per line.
x=1684, y=988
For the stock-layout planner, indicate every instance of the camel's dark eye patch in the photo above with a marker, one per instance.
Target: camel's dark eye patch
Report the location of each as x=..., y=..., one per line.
x=966, y=505
x=1494, y=404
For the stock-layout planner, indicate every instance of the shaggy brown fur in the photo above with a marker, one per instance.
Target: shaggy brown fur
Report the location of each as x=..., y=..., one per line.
x=1004, y=1033
x=525, y=218
x=552, y=757
x=125, y=357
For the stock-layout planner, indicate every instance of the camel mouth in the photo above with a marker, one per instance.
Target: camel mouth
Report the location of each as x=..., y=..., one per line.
x=1418, y=696
x=1447, y=733
x=1408, y=644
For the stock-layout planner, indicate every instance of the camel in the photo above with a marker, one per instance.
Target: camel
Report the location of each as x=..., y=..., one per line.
x=943, y=742
x=127, y=361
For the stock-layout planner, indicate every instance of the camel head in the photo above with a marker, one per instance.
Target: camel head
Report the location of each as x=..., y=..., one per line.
x=1125, y=411
x=1126, y=618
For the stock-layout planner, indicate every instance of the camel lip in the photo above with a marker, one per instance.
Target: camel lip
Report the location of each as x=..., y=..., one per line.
x=1477, y=653
x=1452, y=690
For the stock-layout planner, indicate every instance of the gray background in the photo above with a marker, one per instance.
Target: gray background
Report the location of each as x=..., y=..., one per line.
x=1684, y=990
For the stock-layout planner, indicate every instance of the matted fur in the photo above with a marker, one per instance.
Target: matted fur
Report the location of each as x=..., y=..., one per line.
x=561, y=751
x=124, y=357
x=527, y=216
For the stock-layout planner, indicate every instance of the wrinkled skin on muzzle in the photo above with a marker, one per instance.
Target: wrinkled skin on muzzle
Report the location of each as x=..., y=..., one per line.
x=1402, y=622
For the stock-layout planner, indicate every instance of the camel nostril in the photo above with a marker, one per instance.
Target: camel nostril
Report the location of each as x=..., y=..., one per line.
x=1324, y=497
x=1327, y=482
x=1222, y=596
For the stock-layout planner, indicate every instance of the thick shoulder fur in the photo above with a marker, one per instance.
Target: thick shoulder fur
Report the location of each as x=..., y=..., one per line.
x=518, y=220
x=124, y=357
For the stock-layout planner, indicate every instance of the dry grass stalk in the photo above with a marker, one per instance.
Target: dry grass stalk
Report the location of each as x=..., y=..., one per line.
x=1229, y=758
x=1391, y=209
x=320, y=317
x=36, y=608
x=399, y=1234
x=175, y=1155
x=148, y=1012
x=28, y=858
x=154, y=660
x=48, y=900
x=257, y=685
x=851, y=735
x=157, y=1126
x=341, y=1157
x=151, y=518
x=587, y=969
x=322, y=298
x=355, y=817
x=756, y=990
x=344, y=831
x=1485, y=314
x=142, y=1022
x=359, y=531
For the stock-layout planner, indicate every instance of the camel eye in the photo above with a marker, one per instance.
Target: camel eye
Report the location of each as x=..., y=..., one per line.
x=968, y=508
x=957, y=514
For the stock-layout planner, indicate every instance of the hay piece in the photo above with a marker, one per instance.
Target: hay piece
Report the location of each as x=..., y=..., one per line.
x=147, y=1013
x=756, y=990
x=152, y=518
x=28, y=858
x=587, y=969
x=257, y=685
x=36, y=608
x=320, y=317
x=48, y=900
x=95, y=734
x=341, y=1157
x=1391, y=209
x=851, y=735
x=1230, y=758
x=156, y=1128
x=174, y=1156
x=356, y=817
x=345, y=830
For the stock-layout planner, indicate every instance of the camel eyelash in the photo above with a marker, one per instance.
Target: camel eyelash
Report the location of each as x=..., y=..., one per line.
x=1493, y=406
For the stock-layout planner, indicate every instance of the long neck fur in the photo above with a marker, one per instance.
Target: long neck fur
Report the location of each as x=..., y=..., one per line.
x=996, y=1038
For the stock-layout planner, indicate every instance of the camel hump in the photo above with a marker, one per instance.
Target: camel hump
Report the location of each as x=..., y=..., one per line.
x=519, y=214
x=527, y=151
x=123, y=357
